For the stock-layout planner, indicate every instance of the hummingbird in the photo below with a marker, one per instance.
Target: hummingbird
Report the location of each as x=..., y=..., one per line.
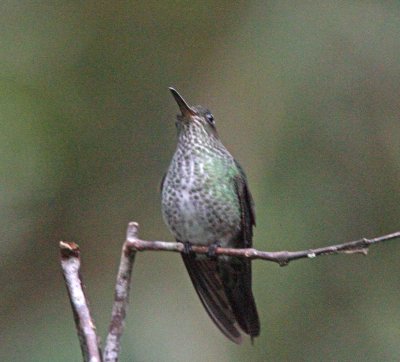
x=206, y=201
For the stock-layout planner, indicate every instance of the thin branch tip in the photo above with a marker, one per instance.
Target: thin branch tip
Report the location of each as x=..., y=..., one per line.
x=69, y=249
x=132, y=231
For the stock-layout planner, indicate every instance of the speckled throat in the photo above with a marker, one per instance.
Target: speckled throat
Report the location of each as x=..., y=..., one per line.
x=199, y=202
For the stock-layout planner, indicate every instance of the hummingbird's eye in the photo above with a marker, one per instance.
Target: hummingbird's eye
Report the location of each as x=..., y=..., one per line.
x=210, y=118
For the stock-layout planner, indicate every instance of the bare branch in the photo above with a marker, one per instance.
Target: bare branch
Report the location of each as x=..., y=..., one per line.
x=121, y=296
x=70, y=264
x=281, y=257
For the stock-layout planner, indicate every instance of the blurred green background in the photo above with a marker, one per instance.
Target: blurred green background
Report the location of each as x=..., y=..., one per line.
x=306, y=96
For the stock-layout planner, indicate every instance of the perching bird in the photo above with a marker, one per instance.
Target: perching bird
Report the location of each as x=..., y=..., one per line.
x=206, y=201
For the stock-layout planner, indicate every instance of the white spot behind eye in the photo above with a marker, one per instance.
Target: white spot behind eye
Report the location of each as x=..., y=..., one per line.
x=210, y=118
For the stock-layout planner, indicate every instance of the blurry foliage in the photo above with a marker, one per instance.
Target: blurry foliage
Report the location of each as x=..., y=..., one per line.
x=305, y=96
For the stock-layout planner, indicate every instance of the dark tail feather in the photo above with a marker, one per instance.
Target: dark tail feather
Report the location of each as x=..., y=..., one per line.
x=206, y=280
x=236, y=274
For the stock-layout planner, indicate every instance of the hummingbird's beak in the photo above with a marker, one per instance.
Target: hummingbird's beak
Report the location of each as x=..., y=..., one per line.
x=183, y=106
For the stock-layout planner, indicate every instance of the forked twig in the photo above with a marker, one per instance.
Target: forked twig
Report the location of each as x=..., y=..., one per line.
x=70, y=262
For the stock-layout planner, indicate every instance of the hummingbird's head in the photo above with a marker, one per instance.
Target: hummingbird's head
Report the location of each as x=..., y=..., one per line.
x=194, y=120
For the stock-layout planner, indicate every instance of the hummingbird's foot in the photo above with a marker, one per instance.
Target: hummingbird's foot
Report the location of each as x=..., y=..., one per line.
x=187, y=249
x=212, y=248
